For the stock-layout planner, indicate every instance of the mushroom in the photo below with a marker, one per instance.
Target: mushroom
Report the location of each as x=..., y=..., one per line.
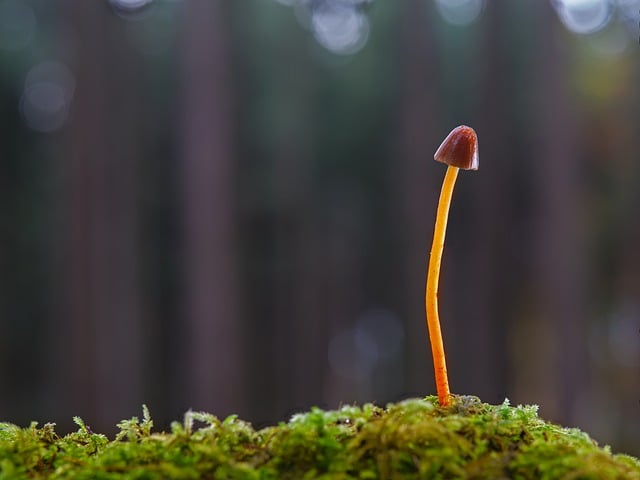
x=459, y=151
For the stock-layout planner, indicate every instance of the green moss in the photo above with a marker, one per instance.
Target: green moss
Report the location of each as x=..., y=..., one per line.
x=407, y=440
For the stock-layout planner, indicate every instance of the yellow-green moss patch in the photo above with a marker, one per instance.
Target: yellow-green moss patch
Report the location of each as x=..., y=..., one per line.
x=411, y=439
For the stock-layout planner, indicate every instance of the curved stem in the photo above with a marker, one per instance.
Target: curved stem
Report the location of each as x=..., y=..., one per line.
x=431, y=295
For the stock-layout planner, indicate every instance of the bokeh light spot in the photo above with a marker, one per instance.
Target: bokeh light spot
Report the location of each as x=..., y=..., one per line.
x=131, y=9
x=129, y=5
x=386, y=330
x=45, y=101
x=339, y=28
x=623, y=343
x=352, y=357
x=376, y=338
x=583, y=16
x=460, y=12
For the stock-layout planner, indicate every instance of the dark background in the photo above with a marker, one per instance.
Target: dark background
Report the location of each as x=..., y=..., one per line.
x=228, y=206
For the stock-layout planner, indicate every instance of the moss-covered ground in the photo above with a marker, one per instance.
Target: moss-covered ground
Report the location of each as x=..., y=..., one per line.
x=411, y=439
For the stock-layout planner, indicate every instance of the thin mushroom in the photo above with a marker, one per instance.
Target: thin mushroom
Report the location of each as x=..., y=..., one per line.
x=459, y=151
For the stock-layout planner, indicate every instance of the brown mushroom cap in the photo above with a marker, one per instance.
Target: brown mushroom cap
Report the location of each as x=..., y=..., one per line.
x=459, y=149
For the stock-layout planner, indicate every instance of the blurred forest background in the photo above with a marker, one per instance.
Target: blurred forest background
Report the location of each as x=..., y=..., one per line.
x=228, y=206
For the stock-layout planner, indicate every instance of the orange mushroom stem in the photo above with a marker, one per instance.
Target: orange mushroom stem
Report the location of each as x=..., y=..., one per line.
x=459, y=151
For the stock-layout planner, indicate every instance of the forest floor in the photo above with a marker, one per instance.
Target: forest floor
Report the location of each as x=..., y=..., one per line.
x=415, y=438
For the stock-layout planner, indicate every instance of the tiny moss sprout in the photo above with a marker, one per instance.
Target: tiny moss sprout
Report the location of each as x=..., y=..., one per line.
x=458, y=150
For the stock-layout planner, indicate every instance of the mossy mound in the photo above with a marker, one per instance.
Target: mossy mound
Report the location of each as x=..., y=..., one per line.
x=406, y=440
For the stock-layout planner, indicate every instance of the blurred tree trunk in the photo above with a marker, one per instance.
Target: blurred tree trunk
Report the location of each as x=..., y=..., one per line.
x=418, y=180
x=620, y=332
x=341, y=285
x=100, y=367
x=5, y=280
x=212, y=341
x=484, y=268
x=298, y=315
x=560, y=255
